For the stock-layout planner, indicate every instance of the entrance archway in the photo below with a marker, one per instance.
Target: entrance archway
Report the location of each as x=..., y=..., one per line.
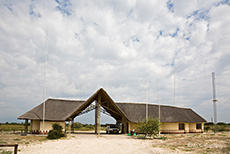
x=87, y=119
x=101, y=102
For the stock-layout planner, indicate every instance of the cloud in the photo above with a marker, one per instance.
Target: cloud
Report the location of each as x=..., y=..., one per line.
x=117, y=45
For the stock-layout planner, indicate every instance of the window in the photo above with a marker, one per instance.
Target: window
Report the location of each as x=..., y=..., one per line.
x=198, y=126
x=181, y=126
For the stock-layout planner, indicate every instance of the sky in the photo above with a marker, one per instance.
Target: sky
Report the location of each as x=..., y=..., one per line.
x=137, y=50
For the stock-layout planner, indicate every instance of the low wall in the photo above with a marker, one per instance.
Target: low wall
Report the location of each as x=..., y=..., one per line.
x=37, y=126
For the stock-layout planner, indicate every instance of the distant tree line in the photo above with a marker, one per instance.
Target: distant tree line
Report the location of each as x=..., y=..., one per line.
x=220, y=126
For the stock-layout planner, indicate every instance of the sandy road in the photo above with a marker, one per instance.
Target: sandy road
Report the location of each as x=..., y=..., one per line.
x=91, y=144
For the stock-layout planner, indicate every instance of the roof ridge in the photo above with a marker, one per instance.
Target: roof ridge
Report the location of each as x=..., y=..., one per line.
x=141, y=103
x=64, y=99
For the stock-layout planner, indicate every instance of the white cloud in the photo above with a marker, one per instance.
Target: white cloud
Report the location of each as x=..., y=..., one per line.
x=118, y=45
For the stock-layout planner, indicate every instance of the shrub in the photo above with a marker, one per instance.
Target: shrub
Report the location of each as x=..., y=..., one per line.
x=56, y=132
x=209, y=123
x=77, y=125
x=207, y=128
x=149, y=127
x=221, y=123
x=6, y=152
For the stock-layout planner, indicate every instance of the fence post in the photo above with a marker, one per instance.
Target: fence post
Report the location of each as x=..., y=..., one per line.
x=15, y=148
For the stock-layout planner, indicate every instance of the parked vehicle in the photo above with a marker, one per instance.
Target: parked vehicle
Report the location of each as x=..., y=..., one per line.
x=111, y=128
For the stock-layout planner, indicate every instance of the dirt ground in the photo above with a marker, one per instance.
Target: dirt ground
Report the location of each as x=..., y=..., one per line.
x=112, y=143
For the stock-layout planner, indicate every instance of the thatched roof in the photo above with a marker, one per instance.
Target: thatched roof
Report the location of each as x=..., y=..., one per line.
x=136, y=112
x=106, y=102
x=55, y=110
x=63, y=110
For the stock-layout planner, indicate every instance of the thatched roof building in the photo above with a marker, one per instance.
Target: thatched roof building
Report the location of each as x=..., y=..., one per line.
x=62, y=110
x=126, y=113
x=136, y=112
x=55, y=110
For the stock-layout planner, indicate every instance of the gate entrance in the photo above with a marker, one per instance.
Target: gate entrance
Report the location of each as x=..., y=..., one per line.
x=87, y=119
x=101, y=102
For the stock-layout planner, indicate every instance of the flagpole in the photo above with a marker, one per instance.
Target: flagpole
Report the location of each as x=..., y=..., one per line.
x=159, y=108
x=147, y=100
x=44, y=88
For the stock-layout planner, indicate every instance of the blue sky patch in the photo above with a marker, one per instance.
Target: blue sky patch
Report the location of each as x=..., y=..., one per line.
x=161, y=32
x=33, y=12
x=64, y=7
x=175, y=34
x=201, y=14
x=186, y=36
x=223, y=2
x=170, y=6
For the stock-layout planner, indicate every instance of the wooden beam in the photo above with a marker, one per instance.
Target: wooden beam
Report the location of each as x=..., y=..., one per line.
x=26, y=126
x=72, y=126
x=96, y=117
x=69, y=129
x=11, y=145
x=98, y=111
x=112, y=110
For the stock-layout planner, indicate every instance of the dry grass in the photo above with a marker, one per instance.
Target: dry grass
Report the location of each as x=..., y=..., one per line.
x=12, y=127
x=9, y=138
x=191, y=143
x=197, y=143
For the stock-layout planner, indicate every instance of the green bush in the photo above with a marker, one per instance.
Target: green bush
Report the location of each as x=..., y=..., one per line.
x=149, y=127
x=220, y=126
x=221, y=123
x=209, y=123
x=56, y=132
x=77, y=125
x=207, y=128
x=6, y=152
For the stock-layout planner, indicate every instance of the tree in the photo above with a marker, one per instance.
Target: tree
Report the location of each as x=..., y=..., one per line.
x=77, y=125
x=56, y=132
x=149, y=127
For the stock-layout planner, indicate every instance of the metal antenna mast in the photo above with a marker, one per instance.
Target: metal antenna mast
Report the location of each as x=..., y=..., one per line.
x=214, y=100
x=146, y=112
x=159, y=135
x=44, y=90
x=174, y=85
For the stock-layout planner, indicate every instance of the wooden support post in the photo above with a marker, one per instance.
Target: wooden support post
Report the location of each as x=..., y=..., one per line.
x=98, y=115
x=15, y=149
x=69, y=126
x=26, y=126
x=31, y=126
x=11, y=145
x=72, y=126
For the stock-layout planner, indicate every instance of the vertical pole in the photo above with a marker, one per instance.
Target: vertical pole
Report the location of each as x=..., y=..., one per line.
x=174, y=84
x=98, y=114
x=146, y=112
x=159, y=109
x=15, y=148
x=44, y=90
x=214, y=100
x=31, y=126
x=69, y=129
x=43, y=119
x=26, y=126
x=96, y=104
x=72, y=126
